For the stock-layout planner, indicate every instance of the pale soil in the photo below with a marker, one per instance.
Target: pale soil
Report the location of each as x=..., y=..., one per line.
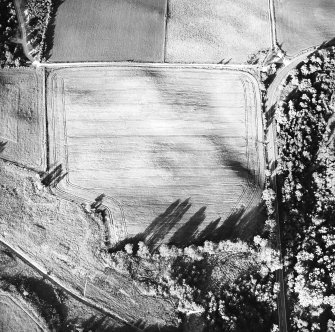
x=104, y=30
x=302, y=24
x=207, y=31
x=59, y=236
x=156, y=138
x=22, y=117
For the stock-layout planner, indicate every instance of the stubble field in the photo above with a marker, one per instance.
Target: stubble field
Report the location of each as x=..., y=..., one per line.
x=104, y=30
x=22, y=118
x=177, y=149
x=303, y=24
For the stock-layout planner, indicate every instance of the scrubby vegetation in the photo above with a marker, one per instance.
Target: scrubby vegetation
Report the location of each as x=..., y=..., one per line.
x=307, y=168
x=38, y=14
x=11, y=53
x=231, y=285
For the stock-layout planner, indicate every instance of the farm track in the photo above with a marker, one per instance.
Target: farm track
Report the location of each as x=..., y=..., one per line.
x=54, y=280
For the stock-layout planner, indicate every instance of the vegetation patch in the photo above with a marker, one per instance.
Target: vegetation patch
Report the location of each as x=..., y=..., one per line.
x=230, y=285
x=305, y=131
x=37, y=17
x=11, y=53
x=48, y=300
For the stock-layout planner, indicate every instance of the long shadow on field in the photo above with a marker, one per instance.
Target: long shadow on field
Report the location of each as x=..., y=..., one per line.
x=54, y=176
x=227, y=157
x=240, y=224
x=50, y=33
x=104, y=324
x=2, y=146
x=155, y=233
x=186, y=234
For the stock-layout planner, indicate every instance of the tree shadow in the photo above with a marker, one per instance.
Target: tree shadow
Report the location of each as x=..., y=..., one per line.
x=240, y=224
x=186, y=234
x=214, y=232
x=104, y=324
x=155, y=233
x=50, y=32
x=270, y=114
x=2, y=146
x=54, y=176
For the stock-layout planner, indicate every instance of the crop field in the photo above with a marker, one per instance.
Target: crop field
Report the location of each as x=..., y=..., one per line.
x=176, y=149
x=302, y=24
x=14, y=317
x=202, y=31
x=104, y=30
x=22, y=120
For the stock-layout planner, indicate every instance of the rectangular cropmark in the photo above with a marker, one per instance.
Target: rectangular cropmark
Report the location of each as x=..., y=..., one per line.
x=155, y=137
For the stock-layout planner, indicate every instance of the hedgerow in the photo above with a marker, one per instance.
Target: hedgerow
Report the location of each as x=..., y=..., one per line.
x=11, y=53
x=38, y=14
x=307, y=203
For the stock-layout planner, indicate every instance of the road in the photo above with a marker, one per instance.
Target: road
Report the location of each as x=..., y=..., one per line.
x=275, y=89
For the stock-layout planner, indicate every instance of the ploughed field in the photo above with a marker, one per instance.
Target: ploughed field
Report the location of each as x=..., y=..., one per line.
x=104, y=30
x=302, y=24
x=174, y=147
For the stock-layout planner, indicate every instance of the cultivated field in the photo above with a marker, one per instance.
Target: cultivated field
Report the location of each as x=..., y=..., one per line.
x=302, y=24
x=175, y=149
x=22, y=118
x=15, y=316
x=207, y=31
x=104, y=30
